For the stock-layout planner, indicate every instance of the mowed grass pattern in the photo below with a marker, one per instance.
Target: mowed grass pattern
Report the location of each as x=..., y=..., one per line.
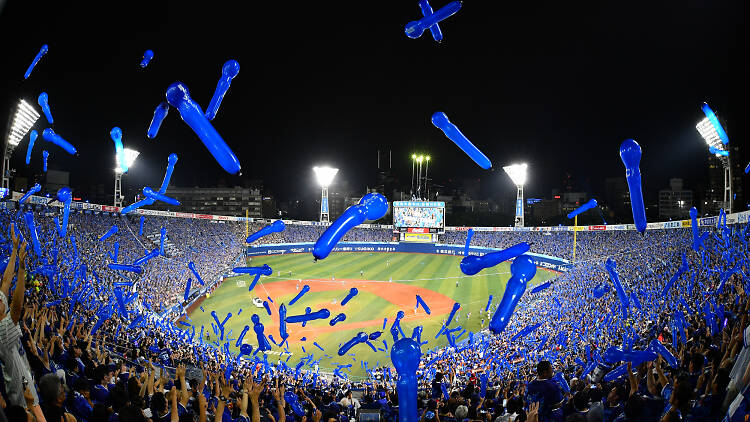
x=365, y=312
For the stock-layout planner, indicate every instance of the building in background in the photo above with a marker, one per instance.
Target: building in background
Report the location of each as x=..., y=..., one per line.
x=675, y=202
x=219, y=201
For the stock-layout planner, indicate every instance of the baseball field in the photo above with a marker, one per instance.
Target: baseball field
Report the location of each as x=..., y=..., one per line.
x=387, y=283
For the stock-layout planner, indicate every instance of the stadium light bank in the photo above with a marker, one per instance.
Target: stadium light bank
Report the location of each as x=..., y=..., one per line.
x=130, y=156
x=324, y=176
x=517, y=173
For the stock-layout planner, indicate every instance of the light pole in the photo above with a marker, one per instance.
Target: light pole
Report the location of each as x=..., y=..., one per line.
x=23, y=120
x=426, y=167
x=413, y=164
x=419, y=176
x=517, y=173
x=324, y=176
x=716, y=146
x=130, y=156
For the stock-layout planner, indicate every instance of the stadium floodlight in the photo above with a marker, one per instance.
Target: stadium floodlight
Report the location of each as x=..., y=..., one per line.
x=23, y=119
x=517, y=173
x=324, y=175
x=426, y=167
x=130, y=156
x=413, y=166
x=716, y=147
x=420, y=159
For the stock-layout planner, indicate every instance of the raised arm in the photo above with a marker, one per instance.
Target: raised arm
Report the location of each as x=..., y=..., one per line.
x=10, y=270
x=16, y=306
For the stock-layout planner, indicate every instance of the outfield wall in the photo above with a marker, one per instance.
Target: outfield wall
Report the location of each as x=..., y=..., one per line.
x=542, y=261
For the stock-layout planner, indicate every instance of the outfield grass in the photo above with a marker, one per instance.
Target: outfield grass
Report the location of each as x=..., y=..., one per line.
x=379, y=297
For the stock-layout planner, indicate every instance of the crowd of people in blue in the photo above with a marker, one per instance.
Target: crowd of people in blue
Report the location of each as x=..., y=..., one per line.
x=79, y=341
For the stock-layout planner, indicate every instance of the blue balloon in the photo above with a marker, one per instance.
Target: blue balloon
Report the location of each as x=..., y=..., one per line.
x=162, y=236
x=469, y=235
x=147, y=56
x=415, y=29
x=426, y=9
x=33, y=190
x=489, y=302
x=715, y=123
x=246, y=349
x=124, y=267
x=601, y=290
x=263, y=343
x=293, y=401
x=32, y=138
x=541, y=287
x=275, y=227
x=29, y=217
x=320, y=314
x=747, y=168
x=338, y=318
x=45, y=156
x=171, y=162
x=695, y=229
x=39, y=55
x=238, y=343
x=187, y=289
x=721, y=152
x=440, y=120
x=178, y=96
x=307, y=311
x=191, y=265
x=675, y=276
x=264, y=270
x=302, y=292
x=405, y=355
x=267, y=306
x=156, y=196
x=421, y=302
x=49, y=135
x=282, y=322
x=43, y=102
x=659, y=348
x=352, y=292
x=230, y=69
x=140, y=228
x=149, y=256
x=371, y=207
x=616, y=373
x=611, y=267
x=116, y=135
x=472, y=264
x=160, y=113
x=112, y=230
x=361, y=337
x=522, y=271
x=583, y=208
x=630, y=154
x=65, y=196
x=525, y=331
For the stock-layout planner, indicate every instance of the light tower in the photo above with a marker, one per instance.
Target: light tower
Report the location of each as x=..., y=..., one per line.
x=420, y=159
x=413, y=165
x=517, y=173
x=716, y=147
x=130, y=156
x=23, y=119
x=324, y=176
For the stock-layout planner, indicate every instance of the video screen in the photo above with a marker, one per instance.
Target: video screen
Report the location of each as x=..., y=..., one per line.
x=411, y=214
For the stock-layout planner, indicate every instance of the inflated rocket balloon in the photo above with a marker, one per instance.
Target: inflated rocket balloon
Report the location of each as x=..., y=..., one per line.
x=45, y=156
x=32, y=138
x=630, y=153
x=191, y=265
x=124, y=267
x=275, y=227
x=140, y=228
x=263, y=343
x=291, y=398
x=352, y=292
x=230, y=69
x=522, y=271
x=33, y=190
x=405, y=355
x=39, y=55
x=676, y=276
x=469, y=235
x=338, y=318
x=320, y=314
x=49, y=135
x=160, y=113
x=421, y=302
x=721, y=152
x=440, y=120
x=472, y=264
x=371, y=207
x=112, y=230
x=65, y=196
x=695, y=229
x=361, y=337
x=282, y=322
x=145, y=258
x=541, y=287
x=583, y=208
x=178, y=96
x=264, y=270
x=43, y=101
x=715, y=123
x=29, y=217
x=611, y=267
x=659, y=348
x=187, y=290
x=116, y=135
x=147, y=56
x=162, y=237
x=426, y=9
x=156, y=196
x=415, y=29
x=525, y=331
x=747, y=168
x=302, y=292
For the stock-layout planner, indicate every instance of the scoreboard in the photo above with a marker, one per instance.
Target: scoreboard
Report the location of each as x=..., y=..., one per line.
x=419, y=221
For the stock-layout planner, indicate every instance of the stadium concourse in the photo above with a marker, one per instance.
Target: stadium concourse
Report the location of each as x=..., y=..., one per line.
x=90, y=343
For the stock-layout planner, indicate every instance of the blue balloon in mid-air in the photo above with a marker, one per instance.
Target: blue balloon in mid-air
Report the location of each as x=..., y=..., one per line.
x=721, y=152
x=49, y=135
x=361, y=337
x=65, y=196
x=275, y=227
x=611, y=266
x=43, y=101
x=630, y=153
x=405, y=355
x=171, y=161
x=178, y=97
x=522, y=271
x=45, y=155
x=715, y=123
x=440, y=120
x=583, y=208
x=230, y=69
x=39, y=55
x=33, y=190
x=415, y=29
x=150, y=193
x=147, y=56
x=371, y=207
x=472, y=264
x=426, y=9
x=32, y=138
x=116, y=135
x=160, y=113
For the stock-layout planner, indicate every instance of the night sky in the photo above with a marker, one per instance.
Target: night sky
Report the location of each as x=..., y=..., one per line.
x=558, y=85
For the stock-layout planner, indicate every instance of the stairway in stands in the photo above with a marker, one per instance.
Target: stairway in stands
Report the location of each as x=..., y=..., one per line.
x=170, y=249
